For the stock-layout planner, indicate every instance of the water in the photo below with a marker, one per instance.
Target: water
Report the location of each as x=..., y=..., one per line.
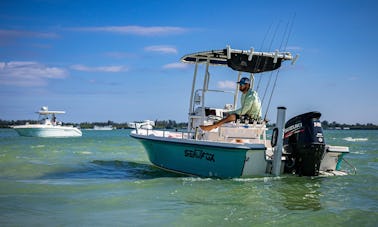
x=105, y=179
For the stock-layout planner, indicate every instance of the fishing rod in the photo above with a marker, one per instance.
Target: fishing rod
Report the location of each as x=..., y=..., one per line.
x=259, y=59
x=289, y=29
x=270, y=46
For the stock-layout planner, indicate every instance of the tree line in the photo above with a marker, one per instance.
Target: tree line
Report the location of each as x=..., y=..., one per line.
x=171, y=124
x=167, y=124
x=335, y=125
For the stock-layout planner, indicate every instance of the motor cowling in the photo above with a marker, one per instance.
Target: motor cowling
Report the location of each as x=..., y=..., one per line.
x=304, y=144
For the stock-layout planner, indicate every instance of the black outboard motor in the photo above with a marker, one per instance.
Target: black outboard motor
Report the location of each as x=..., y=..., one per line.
x=304, y=144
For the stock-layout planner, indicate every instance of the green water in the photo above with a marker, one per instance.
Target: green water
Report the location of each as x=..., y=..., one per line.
x=105, y=179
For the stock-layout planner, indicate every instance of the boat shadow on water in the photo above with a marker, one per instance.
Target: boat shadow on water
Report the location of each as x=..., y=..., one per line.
x=113, y=169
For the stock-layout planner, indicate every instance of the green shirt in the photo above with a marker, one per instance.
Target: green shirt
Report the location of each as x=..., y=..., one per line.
x=250, y=105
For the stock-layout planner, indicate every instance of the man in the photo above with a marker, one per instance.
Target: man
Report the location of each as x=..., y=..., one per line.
x=250, y=109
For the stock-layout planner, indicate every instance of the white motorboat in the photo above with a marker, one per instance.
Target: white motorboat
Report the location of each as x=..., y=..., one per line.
x=146, y=124
x=103, y=128
x=241, y=149
x=48, y=126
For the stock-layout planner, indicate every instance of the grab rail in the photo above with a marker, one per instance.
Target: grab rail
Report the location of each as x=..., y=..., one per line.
x=164, y=133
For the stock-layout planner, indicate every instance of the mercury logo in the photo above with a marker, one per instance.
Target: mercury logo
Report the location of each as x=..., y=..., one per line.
x=293, y=127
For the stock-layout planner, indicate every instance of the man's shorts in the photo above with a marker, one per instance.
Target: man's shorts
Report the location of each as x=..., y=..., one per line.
x=244, y=119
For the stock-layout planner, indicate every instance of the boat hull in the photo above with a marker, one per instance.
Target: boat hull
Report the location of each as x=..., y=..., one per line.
x=204, y=159
x=47, y=131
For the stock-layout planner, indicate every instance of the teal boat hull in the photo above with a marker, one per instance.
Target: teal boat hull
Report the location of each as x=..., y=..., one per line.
x=204, y=159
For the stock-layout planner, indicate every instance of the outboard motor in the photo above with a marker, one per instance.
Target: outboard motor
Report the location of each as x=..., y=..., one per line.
x=304, y=144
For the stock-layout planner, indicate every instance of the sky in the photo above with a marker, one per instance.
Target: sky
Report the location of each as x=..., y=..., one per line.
x=120, y=60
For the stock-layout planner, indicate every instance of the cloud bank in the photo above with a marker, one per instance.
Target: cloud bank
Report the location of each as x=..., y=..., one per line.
x=227, y=84
x=109, y=69
x=135, y=30
x=28, y=73
x=161, y=49
x=29, y=34
x=176, y=65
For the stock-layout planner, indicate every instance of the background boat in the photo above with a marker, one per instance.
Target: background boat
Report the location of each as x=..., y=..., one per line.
x=106, y=127
x=146, y=124
x=48, y=126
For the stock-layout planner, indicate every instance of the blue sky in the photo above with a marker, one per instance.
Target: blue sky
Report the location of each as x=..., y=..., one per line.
x=119, y=60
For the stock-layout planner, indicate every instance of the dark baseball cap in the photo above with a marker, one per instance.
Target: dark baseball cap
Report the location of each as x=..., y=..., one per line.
x=244, y=80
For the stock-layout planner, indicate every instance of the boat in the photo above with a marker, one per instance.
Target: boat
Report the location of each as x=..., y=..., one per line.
x=103, y=128
x=47, y=126
x=241, y=149
x=146, y=124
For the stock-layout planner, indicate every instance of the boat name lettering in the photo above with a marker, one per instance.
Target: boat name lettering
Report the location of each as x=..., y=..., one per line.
x=199, y=154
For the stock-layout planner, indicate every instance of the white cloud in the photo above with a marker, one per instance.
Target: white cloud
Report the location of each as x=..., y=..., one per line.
x=161, y=49
x=28, y=74
x=21, y=33
x=227, y=84
x=135, y=30
x=111, y=69
x=294, y=48
x=176, y=65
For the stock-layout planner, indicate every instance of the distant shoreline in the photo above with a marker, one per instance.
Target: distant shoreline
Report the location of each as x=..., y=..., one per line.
x=168, y=124
x=171, y=124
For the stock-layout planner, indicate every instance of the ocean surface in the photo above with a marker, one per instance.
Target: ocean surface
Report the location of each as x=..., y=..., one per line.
x=105, y=179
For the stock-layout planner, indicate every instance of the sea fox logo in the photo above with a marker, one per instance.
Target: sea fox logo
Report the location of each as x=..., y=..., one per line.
x=199, y=154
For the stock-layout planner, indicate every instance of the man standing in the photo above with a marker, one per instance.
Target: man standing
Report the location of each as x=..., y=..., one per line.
x=250, y=107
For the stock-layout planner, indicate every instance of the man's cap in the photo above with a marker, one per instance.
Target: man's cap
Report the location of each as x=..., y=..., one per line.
x=244, y=80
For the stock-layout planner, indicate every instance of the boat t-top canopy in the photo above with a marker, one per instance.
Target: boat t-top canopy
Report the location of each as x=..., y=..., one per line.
x=240, y=60
x=44, y=111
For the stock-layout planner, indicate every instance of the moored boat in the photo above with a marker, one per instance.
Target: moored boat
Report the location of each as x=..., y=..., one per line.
x=103, y=128
x=48, y=126
x=146, y=124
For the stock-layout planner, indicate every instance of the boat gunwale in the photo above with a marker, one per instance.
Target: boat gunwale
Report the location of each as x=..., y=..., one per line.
x=42, y=126
x=207, y=143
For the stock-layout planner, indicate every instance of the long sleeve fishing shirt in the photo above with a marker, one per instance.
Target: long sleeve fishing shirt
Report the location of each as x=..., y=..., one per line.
x=250, y=105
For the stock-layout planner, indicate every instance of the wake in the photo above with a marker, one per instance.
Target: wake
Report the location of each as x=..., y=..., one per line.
x=350, y=139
